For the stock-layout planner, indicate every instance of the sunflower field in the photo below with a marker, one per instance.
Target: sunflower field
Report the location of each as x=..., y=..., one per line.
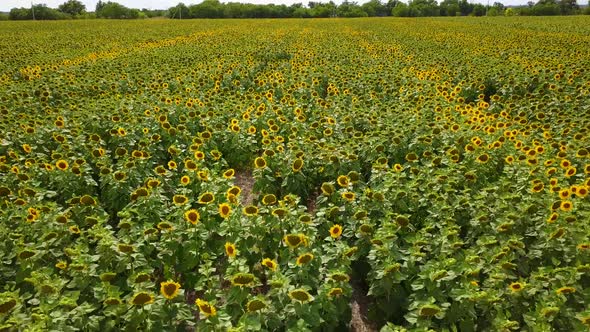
x=246, y=175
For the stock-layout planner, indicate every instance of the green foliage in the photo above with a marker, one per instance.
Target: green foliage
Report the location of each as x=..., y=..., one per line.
x=115, y=10
x=217, y=175
x=72, y=7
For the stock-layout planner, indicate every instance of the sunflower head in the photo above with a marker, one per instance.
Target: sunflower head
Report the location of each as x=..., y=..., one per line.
x=269, y=199
x=335, y=292
x=304, y=259
x=142, y=298
x=243, y=280
x=169, y=289
x=192, y=216
x=516, y=287
x=206, y=308
x=62, y=165
x=294, y=240
x=297, y=165
x=336, y=231
x=250, y=210
x=206, y=198
x=270, y=264
x=230, y=250
x=255, y=305
x=300, y=295
x=224, y=210
x=259, y=162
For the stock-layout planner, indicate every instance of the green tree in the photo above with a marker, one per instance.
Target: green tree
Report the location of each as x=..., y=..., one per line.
x=374, y=8
x=400, y=10
x=568, y=7
x=350, y=9
x=72, y=7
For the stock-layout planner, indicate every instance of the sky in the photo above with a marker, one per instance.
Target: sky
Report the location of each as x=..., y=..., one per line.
x=6, y=5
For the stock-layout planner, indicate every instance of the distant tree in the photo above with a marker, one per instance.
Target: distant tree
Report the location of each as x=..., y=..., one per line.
x=323, y=9
x=115, y=10
x=206, y=9
x=375, y=8
x=420, y=8
x=509, y=12
x=390, y=5
x=180, y=11
x=568, y=7
x=400, y=10
x=478, y=10
x=4, y=17
x=72, y=7
x=450, y=8
x=465, y=7
x=350, y=9
x=18, y=14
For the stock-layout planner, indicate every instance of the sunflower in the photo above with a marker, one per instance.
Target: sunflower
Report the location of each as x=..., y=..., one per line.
x=335, y=292
x=199, y=155
x=566, y=206
x=142, y=298
x=74, y=229
x=179, y=200
x=294, y=240
x=229, y=173
x=61, y=265
x=269, y=199
x=300, y=295
x=185, y=180
x=235, y=190
x=304, y=259
x=570, y=171
x=565, y=290
x=87, y=200
x=206, y=198
x=190, y=165
x=397, y=168
x=125, y=248
x=350, y=251
x=224, y=210
x=270, y=264
x=429, y=310
x=537, y=187
x=6, y=305
x=340, y=277
x=516, y=287
x=62, y=165
x=206, y=308
x=349, y=196
x=327, y=188
x=243, y=280
x=192, y=216
x=552, y=218
x=259, y=163
x=484, y=158
x=297, y=165
x=169, y=289
x=250, y=210
x=564, y=194
x=113, y=301
x=582, y=191
x=255, y=305
x=165, y=226
x=343, y=181
x=230, y=250
x=336, y=231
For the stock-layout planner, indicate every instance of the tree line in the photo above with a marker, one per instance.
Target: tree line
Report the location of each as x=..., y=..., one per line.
x=74, y=9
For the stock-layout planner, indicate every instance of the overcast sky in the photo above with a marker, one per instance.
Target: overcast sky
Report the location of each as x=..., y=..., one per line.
x=6, y=5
